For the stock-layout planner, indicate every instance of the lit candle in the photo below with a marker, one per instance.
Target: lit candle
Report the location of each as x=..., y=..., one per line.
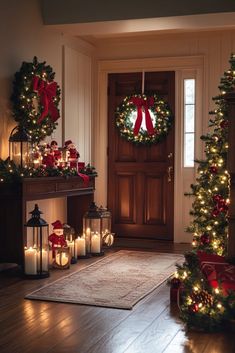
x=81, y=246
x=36, y=163
x=88, y=240
x=30, y=261
x=44, y=260
x=72, y=248
x=62, y=259
x=95, y=243
x=50, y=257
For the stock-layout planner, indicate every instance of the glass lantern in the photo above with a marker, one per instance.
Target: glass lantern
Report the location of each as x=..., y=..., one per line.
x=62, y=258
x=20, y=147
x=69, y=234
x=36, y=252
x=92, y=222
x=107, y=236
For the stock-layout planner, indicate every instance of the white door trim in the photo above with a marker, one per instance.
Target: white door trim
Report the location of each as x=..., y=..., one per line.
x=180, y=65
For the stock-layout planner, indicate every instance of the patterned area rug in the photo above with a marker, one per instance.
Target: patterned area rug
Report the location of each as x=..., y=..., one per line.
x=119, y=280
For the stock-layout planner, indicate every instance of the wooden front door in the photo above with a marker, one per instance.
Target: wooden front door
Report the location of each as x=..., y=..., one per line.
x=140, y=178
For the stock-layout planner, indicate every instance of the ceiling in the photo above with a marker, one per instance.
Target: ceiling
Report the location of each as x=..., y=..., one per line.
x=94, y=20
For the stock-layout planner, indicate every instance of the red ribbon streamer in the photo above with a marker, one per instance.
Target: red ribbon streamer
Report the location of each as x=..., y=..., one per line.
x=143, y=104
x=85, y=179
x=46, y=91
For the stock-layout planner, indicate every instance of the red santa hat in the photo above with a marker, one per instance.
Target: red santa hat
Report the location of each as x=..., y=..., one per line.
x=67, y=143
x=57, y=225
x=53, y=143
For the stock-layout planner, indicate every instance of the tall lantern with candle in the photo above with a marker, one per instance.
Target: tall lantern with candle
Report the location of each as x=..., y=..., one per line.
x=20, y=147
x=93, y=231
x=37, y=248
x=106, y=220
x=69, y=234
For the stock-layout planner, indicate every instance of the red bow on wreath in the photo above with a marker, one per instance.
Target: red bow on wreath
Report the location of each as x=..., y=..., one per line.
x=46, y=91
x=143, y=104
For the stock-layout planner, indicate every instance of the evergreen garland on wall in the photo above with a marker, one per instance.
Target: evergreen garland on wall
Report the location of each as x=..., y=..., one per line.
x=35, y=99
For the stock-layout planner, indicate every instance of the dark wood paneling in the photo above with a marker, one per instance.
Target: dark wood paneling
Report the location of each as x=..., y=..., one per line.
x=125, y=151
x=125, y=198
x=153, y=326
x=140, y=210
x=13, y=199
x=155, y=212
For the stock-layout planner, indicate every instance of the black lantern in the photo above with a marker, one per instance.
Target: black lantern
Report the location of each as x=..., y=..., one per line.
x=92, y=228
x=19, y=147
x=36, y=253
x=106, y=220
x=69, y=234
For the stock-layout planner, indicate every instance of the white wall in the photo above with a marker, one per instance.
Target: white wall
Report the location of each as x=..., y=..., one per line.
x=23, y=36
x=214, y=48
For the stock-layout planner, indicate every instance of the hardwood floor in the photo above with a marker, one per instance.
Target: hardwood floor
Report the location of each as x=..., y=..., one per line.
x=152, y=326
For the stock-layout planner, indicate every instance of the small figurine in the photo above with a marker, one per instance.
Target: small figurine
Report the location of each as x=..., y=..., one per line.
x=55, y=151
x=48, y=159
x=57, y=237
x=72, y=154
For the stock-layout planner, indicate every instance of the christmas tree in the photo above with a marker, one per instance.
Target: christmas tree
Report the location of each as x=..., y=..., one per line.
x=202, y=305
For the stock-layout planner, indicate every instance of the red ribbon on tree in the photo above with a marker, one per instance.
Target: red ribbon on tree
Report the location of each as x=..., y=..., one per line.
x=46, y=91
x=143, y=104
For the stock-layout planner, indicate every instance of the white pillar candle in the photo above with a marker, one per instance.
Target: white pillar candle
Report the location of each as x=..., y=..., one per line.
x=30, y=261
x=95, y=243
x=88, y=240
x=81, y=246
x=50, y=257
x=72, y=248
x=36, y=163
x=44, y=260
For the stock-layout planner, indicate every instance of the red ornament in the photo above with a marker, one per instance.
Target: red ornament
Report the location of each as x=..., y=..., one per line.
x=215, y=212
x=194, y=308
x=213, y=169
x=205, y=239
x=217, y=198
x=224, y=124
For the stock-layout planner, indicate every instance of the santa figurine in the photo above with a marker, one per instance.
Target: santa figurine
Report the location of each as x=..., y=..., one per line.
x=48, y=159
x=57, y=238
x=56, y=152
x=72, y=154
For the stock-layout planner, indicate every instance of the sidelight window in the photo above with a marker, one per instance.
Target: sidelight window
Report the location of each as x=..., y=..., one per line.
x=189, y=122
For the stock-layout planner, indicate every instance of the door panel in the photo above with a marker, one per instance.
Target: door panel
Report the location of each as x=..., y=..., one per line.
x=140, y=195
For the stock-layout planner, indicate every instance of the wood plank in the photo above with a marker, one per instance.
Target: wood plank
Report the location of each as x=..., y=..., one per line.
x=118, y=340
x=153, y=326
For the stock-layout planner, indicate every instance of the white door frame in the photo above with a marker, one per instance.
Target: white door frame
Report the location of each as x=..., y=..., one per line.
x=181, y=66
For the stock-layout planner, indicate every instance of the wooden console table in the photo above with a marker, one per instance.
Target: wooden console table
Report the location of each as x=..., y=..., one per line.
x=13, y=199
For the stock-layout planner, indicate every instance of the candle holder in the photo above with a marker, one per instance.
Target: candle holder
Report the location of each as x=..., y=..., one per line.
x=69, y=234
x=92, y=228
x=106, y=220
x=62, y=258
x=36, y=262
x=20, y=147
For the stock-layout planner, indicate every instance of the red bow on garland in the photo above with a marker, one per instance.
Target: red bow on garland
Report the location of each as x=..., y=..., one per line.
x=85, y=179
x=46, y=91
x=144, y=104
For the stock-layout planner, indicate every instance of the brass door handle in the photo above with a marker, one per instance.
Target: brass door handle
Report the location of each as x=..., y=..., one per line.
x=169, y=172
